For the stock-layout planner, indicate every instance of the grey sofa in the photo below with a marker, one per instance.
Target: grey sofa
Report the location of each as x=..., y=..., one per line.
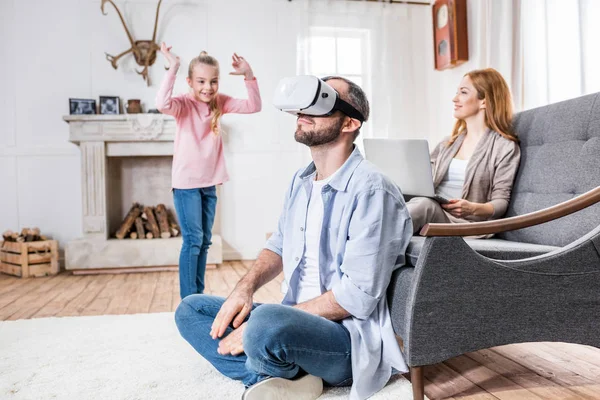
x=533, y=281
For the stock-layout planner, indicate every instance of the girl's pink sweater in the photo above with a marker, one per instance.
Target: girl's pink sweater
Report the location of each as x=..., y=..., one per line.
x=198, y=159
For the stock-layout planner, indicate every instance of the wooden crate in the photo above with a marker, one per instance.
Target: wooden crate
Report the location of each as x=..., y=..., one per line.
x=29, y=258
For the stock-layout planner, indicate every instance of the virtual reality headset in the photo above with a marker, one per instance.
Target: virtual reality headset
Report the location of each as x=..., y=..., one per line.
x=310, y=95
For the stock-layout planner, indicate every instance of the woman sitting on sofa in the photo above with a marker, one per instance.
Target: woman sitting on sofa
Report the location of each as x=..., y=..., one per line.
x=475, y=167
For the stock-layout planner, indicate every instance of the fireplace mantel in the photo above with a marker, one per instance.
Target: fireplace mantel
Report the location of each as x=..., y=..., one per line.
x=121, y=128
x=124, y=135
x=100, y=137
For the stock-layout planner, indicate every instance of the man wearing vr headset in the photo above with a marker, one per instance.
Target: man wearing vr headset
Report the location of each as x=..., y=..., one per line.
x=343, y=231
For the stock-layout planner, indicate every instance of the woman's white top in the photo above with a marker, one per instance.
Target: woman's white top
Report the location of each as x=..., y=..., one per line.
x=452, y=185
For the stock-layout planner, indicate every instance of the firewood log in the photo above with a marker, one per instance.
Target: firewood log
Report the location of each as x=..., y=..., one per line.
x=10, y=236
x=163, y=221
x=133, y=213
x=152, y=222
x=173, y=223
x=133, y=235
x=32, y=235
x=139, y=227
x=147, y=226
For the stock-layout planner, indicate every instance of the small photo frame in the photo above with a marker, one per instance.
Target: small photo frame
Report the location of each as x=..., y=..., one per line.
x=82, y=106
x=109, y=105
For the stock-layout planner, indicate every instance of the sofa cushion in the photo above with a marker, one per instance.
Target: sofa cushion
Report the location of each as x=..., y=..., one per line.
x=498, y=249
x=560, y=149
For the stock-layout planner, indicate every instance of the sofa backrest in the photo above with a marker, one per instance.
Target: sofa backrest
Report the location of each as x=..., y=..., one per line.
x=560, y=159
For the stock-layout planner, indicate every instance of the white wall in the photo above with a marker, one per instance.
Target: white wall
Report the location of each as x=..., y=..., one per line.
x=55, y=50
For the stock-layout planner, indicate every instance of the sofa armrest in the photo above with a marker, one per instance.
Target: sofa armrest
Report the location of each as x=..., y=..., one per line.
x=521, y=221
x=456, y=301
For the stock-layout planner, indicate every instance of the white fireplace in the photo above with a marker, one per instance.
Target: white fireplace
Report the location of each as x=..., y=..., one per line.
x=125, y=159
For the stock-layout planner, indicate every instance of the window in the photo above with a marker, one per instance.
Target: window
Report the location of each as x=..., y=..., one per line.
x=337, y=51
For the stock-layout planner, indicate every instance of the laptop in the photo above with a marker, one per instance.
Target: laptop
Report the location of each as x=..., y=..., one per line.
x=406, y=162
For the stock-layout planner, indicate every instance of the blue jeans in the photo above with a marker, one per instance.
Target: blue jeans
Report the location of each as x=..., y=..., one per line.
x=196, y=213
x=279, y=341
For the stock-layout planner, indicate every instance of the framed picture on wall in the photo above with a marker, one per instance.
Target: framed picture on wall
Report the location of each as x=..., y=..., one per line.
x=109, y=105
x=82, y=106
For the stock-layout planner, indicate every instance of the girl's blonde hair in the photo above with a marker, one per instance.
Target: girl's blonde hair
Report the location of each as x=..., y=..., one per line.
x=205, y=59
x=492, y=87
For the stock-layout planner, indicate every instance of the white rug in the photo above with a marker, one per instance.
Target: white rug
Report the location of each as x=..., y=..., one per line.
x=137, y=356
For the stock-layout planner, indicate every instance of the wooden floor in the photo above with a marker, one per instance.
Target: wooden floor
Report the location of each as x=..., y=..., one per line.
x=520, y=371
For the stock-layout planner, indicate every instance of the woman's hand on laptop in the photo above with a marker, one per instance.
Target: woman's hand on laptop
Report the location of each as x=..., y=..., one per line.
x=460, y=208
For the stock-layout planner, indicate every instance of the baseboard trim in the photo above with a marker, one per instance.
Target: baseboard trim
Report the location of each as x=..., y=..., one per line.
x=233, y=255
x=130, y=270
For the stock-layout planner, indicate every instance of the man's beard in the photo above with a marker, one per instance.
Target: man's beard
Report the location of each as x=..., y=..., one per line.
x=319, y=138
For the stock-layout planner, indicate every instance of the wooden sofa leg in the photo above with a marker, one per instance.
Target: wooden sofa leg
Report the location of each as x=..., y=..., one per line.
x=418, y=384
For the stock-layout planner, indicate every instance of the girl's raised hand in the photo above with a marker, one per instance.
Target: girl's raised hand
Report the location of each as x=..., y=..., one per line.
x=241, y=67
x=171, y=58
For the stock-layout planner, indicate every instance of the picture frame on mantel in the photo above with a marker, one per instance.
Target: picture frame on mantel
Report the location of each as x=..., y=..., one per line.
x=82, y=106
x=450, y=34
x=110, y=105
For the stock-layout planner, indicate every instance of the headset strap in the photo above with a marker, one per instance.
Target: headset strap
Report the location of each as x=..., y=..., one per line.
x=347, y=109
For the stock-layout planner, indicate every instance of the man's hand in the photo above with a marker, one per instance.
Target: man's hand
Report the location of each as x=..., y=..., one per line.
x=325, y=306
x=238, y=305
x=233, y=344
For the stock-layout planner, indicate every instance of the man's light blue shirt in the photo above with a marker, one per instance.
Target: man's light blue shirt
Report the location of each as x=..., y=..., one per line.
x=366, y=229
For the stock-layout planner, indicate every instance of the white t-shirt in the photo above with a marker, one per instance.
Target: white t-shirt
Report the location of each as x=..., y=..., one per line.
x=452, y=185
x=309, y=282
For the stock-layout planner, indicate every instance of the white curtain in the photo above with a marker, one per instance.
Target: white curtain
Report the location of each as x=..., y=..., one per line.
x=560, y=50
x=497, y=40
